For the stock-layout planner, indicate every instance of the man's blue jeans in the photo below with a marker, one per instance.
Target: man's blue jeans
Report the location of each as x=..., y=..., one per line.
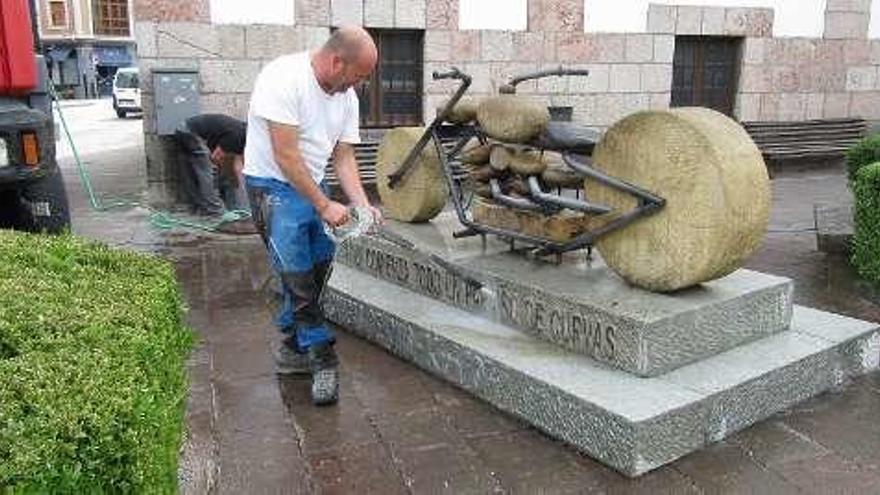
x=301, y=254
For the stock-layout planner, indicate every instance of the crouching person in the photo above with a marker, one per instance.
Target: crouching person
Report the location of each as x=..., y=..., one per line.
x=214, y=145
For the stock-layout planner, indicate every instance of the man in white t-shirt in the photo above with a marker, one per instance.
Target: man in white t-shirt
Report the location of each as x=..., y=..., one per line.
x=303, y=112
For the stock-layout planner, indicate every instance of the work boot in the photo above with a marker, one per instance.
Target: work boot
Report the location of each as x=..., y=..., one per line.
x=325, y=374
x=290, y=362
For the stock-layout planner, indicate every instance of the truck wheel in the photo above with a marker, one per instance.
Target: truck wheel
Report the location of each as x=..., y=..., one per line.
x=422, y=193
x=717, y=197
x=11, y=211
x=45, y=205
x=120, y=113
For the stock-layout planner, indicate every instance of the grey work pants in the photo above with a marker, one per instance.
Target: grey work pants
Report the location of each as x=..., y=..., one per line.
x=206, y=192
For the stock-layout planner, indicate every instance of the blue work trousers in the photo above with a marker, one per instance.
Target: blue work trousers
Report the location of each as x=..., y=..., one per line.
x=301, y=254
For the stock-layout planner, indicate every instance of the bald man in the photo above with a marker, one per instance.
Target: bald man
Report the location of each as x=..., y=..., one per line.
x=304, y=112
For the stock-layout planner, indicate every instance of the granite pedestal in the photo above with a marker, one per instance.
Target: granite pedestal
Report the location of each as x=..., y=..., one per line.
x=632, y=378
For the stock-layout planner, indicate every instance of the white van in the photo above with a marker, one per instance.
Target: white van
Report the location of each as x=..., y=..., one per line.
x=126, y=91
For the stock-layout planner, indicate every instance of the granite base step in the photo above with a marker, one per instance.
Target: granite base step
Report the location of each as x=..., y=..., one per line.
x=630, y=423
x=580, y=304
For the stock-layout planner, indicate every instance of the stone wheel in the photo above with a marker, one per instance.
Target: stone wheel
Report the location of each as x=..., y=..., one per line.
x=717, y=195
x=422, y=193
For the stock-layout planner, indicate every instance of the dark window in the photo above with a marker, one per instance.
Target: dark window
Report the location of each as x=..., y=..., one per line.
x=704, y=72
x=393, y=95
x=111, y=17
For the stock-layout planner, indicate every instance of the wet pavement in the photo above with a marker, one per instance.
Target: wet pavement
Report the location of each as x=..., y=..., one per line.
x=399, y=430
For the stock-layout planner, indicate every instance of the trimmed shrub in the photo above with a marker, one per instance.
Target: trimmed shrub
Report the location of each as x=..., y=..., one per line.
x=92, y=368
x=866, y=238
x=865, y=152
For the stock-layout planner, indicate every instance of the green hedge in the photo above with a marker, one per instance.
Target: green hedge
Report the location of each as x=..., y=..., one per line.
x=92, y=368
x=865, y=152
x=866, y=238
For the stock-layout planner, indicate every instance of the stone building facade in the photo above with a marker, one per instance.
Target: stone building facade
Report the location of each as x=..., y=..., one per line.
x=772, y=78
x=85, y=42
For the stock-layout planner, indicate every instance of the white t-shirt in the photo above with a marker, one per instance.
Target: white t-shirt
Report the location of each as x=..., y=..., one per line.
x=287, y=92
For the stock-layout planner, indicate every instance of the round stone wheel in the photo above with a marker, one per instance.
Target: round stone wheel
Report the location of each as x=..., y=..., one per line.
x=423, y=191
x=717, y=193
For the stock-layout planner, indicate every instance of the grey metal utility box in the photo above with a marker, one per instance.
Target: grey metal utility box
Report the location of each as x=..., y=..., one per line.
x=177, y=97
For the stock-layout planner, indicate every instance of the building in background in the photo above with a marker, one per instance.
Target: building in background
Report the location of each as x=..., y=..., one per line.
x=755, y=60
x=85, y=41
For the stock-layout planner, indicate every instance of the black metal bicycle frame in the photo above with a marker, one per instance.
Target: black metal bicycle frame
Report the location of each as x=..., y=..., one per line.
x=648, y=203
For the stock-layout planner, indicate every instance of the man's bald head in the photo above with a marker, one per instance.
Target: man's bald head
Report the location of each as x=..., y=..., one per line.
x=346, y=59
x=353, y=44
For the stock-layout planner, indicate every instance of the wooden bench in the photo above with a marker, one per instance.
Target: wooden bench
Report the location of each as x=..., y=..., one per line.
x=366, y=154
x=811, y=139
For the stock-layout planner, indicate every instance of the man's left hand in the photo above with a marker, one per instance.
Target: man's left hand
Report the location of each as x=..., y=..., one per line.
x=377, y=215
x=217, y=156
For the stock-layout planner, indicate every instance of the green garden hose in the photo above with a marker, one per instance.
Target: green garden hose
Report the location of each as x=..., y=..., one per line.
x=158, y=218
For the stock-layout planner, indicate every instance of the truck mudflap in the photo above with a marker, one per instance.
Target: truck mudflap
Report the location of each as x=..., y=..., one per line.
x=27, y=144
x=32, y=193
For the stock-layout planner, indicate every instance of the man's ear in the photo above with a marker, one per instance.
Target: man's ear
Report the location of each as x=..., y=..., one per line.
x=338, y=63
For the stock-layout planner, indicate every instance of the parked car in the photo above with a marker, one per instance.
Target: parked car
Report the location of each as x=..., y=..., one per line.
x=126, y=91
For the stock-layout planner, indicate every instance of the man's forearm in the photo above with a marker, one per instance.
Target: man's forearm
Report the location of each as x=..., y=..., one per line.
x=345, y=164
x=350, y=180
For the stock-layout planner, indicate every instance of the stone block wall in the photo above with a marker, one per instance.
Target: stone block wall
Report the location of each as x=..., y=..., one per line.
x=814, y=78
x=779, y=79
x=228, y=58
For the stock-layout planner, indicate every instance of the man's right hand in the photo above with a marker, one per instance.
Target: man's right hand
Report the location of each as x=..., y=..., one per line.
x=334, y=214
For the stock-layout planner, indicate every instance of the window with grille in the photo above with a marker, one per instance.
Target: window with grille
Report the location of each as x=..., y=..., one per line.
x=58, y=13
x=393, y=95
x=111, y=17
x=705, y=72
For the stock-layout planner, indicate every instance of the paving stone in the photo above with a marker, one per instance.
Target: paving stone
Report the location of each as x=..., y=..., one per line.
x=271, y=462
x=774, y=443
x=423, y=427
x=724, y=468
x=830, y=474
x=256, y=443
x=198, y=461
x=473, y=418
x=844, y=423
x=364, y=468
x=391, y=396
x=327, y=430
x=526, y=463
x=444, y=468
